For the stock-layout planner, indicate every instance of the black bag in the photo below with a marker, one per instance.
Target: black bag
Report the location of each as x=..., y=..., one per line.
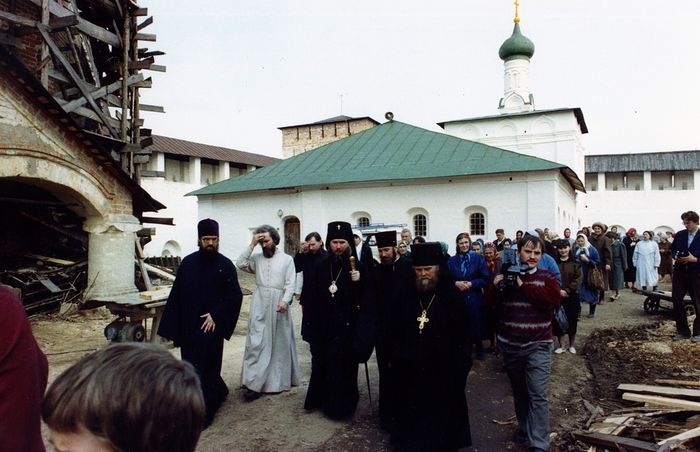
x=560, y=323
x=595, y=279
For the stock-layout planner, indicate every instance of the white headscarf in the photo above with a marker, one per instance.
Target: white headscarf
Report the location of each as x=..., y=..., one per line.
x=586, y=244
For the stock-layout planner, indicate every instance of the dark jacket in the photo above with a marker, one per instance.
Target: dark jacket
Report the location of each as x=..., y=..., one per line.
x=571, y=275
x=680, y=245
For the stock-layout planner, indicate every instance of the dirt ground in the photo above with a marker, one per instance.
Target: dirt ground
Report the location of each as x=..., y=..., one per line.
x=622, y=344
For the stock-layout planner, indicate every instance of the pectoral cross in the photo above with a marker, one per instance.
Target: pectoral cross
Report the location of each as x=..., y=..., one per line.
x=422, y=320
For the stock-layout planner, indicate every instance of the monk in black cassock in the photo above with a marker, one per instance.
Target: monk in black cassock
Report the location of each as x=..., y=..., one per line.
x=339, y=314
x=202, y=311
x=431, y=359
x=393, y=278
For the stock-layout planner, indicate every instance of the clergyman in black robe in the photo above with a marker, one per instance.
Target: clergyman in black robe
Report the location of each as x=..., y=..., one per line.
x=340, y=320
x=431, y=359
x=202, y=311
x=393, y=277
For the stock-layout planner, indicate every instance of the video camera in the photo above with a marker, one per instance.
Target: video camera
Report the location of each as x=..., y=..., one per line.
x=511, y=269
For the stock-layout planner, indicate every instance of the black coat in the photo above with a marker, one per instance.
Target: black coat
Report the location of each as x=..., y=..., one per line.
x=431, y=373
x=203, y=285
x=340, y=328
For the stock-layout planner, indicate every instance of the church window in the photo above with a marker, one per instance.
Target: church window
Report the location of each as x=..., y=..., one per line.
x=420, y=225
x=363, y=222
x=477, y=224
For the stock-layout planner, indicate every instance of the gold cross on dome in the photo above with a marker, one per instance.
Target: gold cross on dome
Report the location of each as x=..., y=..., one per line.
x=516, y=19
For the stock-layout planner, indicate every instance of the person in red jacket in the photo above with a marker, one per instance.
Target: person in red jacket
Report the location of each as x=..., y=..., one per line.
x=23, y=375
x=529, y=297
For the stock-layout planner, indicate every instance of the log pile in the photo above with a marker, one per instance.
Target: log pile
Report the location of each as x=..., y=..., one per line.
x=666, y=416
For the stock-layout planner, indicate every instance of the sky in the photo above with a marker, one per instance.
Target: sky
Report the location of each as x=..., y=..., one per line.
x=237, y=70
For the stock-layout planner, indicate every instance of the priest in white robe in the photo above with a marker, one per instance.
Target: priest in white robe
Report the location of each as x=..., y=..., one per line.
x=646, y=258
x=270, y=362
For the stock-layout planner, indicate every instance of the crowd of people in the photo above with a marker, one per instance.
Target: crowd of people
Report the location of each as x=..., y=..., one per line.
x=425, y=314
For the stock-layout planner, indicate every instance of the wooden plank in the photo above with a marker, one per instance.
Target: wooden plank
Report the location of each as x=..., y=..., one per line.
x=155, y=304
x=52, y=260
x=618, y=442
x=144, y=24
x=46, y=282
x=153, y=108
x=145, y=37
x=662, y=401
x=661, y=390
x=151, y=269
x=692, y=383
x=82, y=111
x=140, y=12
x=670, y=443
x=155, y=295
x=157, y=68
x=17, y=20
x=59, y=23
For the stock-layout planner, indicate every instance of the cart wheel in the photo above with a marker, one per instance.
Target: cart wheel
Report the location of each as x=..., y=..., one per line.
x=689, y=310
x=133, y=332
x=647, y=305
x=113, y=330
x=655, y=305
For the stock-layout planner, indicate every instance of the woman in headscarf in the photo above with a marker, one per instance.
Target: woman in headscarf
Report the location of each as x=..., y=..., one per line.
x=471, y=276
x=619, y=265
x=589, y=258
x=403, y=249
x=647, y=260
x=630, y=241
x=666, y=267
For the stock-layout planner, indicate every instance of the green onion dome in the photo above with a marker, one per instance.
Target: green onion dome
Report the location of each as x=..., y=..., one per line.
x=517, y=46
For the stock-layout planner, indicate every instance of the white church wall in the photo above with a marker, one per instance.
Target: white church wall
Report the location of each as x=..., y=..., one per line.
x=519, y=201
x=553, y=136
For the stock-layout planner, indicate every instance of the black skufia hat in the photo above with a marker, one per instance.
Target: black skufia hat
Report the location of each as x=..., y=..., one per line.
x=424, y=254
x=385, y=239
x=207, y=227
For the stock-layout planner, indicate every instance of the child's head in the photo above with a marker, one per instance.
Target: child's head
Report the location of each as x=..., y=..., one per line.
x=126, y=397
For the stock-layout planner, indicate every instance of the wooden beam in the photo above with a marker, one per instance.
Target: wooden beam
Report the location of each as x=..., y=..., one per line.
x=155, y=271
x=661, y=390
x=145, y=37
x=82, y=86
x=59, y=23
x=670, y=443
x=90, y=29
x=17, y=20
x=144, y=24
x=157, y=68
x=662, y=401
x=616, y=442
x=88, y=113
x=102, y=92
x=141, y=64
x=140, y=12
x=692, y=383
x=57, y=75
x=156, y=220
x=153, y=108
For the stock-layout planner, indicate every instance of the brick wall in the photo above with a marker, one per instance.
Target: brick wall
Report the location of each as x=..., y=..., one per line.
x=297, y=140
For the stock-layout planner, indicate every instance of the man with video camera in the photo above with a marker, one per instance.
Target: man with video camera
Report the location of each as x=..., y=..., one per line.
x=528, y=299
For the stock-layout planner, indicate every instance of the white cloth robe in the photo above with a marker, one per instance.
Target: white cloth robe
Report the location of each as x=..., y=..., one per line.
x=270, y=359
x=646, y=258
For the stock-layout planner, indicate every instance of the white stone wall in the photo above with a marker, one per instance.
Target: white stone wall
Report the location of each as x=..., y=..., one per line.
x=554, y=136
x=646, y=209
x=521, y=201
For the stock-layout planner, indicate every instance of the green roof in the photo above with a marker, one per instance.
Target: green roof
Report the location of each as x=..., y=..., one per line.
x=392, y=151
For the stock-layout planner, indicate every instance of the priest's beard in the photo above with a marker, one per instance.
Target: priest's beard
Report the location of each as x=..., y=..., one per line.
x=209, y=251
x=342, y=257
x=426, y=284
x=269, y=252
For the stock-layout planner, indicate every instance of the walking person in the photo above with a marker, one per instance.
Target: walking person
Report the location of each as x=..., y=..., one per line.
x=270, y=358
x=602, y=244
x=647, y=259
x=571, y=276
x=666, y=267
x=525, y=340
x=202, y=310
x=630, y=241
x=686, y=275
x=589, y=258
x=619, y=265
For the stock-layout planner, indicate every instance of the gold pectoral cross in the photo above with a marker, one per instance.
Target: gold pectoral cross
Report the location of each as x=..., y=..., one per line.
x=422, y=320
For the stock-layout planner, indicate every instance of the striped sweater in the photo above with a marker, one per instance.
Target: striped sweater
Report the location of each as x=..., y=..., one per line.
x=526, y=312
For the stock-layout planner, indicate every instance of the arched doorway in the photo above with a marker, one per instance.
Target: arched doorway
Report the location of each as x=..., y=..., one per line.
x=292, y=235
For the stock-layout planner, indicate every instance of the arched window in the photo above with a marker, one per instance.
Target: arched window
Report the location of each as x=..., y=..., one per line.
x=363, y=222
x=477, y=224
x=420, y=225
